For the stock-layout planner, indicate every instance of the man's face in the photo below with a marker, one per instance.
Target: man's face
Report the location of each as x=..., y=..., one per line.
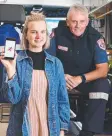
x=77, y=22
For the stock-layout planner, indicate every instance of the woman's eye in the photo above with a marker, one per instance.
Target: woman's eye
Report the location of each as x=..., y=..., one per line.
x=43, y=31
x=33, y=32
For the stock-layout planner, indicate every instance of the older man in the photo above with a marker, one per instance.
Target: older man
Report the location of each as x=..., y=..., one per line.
x=82, y=51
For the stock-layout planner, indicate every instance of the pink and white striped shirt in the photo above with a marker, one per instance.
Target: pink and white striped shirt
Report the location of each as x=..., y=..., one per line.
x=37, y=104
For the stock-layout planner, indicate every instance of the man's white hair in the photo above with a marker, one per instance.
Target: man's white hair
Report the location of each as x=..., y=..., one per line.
x=77, y=7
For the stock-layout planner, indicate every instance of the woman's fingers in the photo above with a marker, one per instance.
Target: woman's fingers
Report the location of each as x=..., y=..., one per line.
x=15, y=55
x=3, y=50
x=2, y=54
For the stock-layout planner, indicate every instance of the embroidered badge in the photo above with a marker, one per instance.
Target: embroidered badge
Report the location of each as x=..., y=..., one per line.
x=62, y=48
x=101, y=44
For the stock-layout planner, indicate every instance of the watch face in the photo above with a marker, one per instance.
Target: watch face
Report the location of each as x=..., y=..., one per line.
x=83, y=78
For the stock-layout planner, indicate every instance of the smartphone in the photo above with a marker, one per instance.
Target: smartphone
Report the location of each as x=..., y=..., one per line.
x=10, y=47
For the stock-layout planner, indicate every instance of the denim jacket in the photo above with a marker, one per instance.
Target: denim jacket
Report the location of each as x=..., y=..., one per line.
x=17, y=92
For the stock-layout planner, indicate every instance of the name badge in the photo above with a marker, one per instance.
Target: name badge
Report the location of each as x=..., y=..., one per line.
x=62, y=48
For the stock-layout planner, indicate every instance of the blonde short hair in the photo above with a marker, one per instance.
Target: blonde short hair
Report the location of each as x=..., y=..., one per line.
x=35, y=16
x=77, y=7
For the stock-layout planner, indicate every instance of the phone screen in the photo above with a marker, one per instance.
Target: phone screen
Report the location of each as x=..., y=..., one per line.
x=10, y=48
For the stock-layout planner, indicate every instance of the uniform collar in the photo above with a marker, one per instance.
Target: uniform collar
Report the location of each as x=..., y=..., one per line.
x=69, y=33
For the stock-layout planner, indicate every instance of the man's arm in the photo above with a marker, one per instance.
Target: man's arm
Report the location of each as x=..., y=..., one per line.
x=101, y=70
x=101, y=62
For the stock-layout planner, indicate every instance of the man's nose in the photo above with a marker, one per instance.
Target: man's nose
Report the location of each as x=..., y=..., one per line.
x=77, y=24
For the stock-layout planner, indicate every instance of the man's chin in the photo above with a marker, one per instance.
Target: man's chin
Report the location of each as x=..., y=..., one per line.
x=78, y=34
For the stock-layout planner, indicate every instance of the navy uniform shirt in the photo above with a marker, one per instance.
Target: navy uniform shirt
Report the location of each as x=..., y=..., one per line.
x=76, y=55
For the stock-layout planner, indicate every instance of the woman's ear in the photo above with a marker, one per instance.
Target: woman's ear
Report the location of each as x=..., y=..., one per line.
x=47, y=44
x=26, y=37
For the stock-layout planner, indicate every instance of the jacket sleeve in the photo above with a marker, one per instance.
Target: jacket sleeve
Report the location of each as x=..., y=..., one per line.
x=63, y=101
x=100, y=55
x=10, y=89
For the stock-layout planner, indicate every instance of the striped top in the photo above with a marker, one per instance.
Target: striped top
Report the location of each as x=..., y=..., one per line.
x=37, y=104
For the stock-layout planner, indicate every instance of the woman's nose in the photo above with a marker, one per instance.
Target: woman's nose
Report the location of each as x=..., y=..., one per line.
x=37, y=36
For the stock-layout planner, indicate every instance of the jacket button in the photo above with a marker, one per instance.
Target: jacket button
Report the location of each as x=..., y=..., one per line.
x=53, y=106
x=54, y=124
x=77, y=52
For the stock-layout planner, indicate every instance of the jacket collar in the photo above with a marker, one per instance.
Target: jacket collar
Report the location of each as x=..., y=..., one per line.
x=23, y=55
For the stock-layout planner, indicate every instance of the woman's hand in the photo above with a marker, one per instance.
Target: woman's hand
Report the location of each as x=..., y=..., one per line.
x=62, y=133
x=10, y=65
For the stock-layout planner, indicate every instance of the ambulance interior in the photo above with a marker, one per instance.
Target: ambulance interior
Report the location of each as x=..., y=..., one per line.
x=100, y=12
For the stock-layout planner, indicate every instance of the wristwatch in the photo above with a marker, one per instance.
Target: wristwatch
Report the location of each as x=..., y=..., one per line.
x=83, y=78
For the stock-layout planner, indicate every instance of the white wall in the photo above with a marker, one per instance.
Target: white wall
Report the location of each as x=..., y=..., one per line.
x=56, y=2
x=44, y=2
x=94, y=2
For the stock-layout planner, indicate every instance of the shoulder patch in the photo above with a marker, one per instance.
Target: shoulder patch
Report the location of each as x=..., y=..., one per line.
x=101, y=44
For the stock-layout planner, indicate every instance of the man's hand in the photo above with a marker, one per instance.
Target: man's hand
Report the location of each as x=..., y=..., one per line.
x=72, y=81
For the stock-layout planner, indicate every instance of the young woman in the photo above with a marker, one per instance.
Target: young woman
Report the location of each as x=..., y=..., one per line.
x=36, y=86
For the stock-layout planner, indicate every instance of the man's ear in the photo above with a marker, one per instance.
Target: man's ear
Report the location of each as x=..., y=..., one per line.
x=88, y=21
x=67, y=22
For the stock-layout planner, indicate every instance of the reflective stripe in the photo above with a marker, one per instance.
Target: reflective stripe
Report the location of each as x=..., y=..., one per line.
x=98, y=95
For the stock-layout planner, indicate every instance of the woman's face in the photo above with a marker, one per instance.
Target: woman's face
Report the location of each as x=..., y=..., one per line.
x=36, y=35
